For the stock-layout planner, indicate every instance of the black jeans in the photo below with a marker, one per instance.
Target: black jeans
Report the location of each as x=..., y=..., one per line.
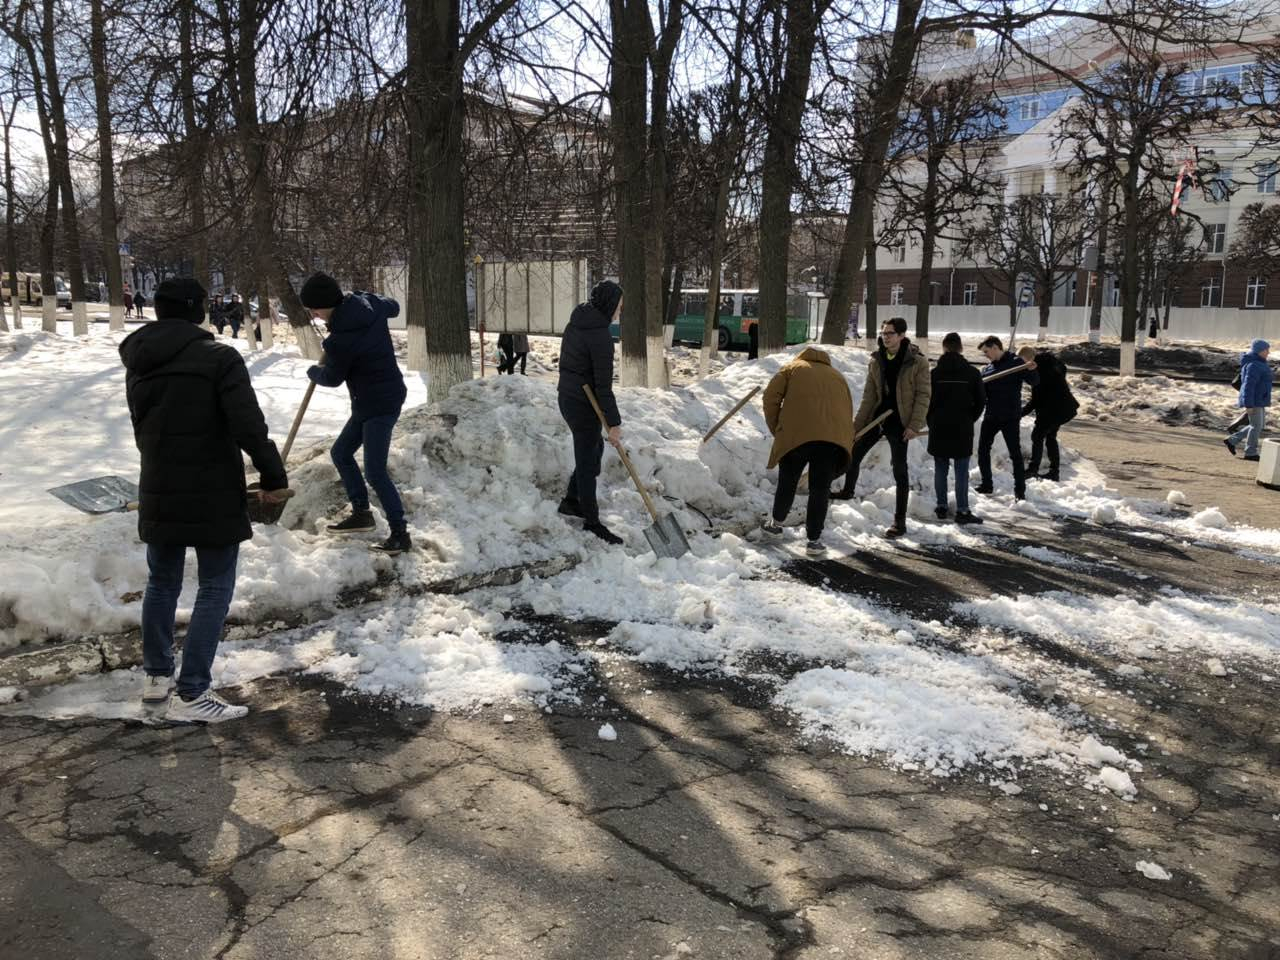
x=1044, y=439
x=823, y=460
x=522, y=357
x=891, y=430
x=753, y=342
x=1013, y=440
x=588, y=448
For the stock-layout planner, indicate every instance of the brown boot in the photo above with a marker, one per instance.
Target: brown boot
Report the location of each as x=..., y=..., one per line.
x=899, y=529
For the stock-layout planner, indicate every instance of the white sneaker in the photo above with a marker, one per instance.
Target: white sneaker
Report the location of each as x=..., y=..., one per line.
x=156, y=689
x=206, y=708
x=816, y=548
x=770, y=527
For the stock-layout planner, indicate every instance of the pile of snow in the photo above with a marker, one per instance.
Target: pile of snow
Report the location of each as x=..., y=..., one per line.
x=1118, y=782
x=1152, y=871
x=1176, y=498
x=1212, y=517
x=1155, y=399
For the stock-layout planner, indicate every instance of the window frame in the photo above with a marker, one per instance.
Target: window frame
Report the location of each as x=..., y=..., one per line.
x=1255, y=293
x=969, y=295
x=1211, y=289
x=895, y=295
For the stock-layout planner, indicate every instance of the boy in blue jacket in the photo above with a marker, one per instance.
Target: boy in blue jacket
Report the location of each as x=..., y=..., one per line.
x=1255, y=397
x=1004, y=410
x=358, y=352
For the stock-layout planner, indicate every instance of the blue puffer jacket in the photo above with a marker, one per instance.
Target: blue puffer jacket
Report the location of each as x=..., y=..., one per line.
x=1255, y=381
x=358, y=351
x=1004, y=396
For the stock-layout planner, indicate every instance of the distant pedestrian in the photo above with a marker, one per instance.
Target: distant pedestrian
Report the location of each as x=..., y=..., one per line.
x=128, y=302
x=1004, y=409
x=218, y=314
x=235, y=314
x=1054, y=406
x=139, y=301
x=358, y=352
x=193, y=412
x=809, y=411
x=1255, y=397
x=955, y=404
x=898, y=384
x=586, y=359
x=520, y=344
x=506, y=354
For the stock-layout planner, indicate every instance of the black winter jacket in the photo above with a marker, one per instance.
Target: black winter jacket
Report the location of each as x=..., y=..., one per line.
x=1004, y=396
x=358, y=351
x=1051, y=399
x=955, y=405
x=586, y=357
x=193, y=411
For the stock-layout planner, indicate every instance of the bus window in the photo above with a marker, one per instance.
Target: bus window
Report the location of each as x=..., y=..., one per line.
x=695, y=304
x=750, y=305
x=797, y=305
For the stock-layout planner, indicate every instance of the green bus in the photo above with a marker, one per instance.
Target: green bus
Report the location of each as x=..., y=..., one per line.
x=738, y=311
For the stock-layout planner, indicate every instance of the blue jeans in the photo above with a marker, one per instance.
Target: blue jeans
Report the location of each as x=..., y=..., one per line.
x=940, y=465
x=1252, y=430
x=217, y=570
x=374, y=434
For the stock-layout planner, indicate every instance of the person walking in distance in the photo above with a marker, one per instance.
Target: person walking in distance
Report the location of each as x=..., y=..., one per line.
x=520, y=344
x=506, y=354
x=1004, y=409
x=1053, y=404
x=809, y=411
x=898, y=384
x=193, y=412
x=586, y=359
x=1255, y=397
x=358, y=352
x=955, y=404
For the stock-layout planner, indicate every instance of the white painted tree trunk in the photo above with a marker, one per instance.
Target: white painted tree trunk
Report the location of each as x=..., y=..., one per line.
x=309, y=342
x=268, y=336
x=444, y=370
x=116, y=317
x=1095, y=336
x=657, y=365
x=633, y=372
x=79, y=318
x=49, y=314
x=1042, y=335
x=17, y=313
x=248, y=335
x=1128, y=359
x=4, y=321
x=418, y=347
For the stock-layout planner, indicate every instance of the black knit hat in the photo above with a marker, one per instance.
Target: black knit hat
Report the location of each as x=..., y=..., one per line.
x=605, y=296
x=320, y=292
x=180, y=298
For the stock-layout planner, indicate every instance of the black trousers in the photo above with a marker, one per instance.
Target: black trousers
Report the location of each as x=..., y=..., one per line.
x=823, y=460
x=523, y=358
x=588, y=449
x=1044, y=439
x=1013, y=440
x=892, y=431
x=753, y=342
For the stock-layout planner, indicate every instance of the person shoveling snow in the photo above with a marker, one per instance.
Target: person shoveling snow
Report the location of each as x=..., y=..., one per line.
x=193, y=411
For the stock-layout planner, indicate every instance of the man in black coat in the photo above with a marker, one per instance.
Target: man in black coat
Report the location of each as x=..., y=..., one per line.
x=193, y=411
x=1053, y=404
x=235, y=314
x=359, y=353
x=218, y=313
x=586, y=358
x=955, y=405
x=1004, y=410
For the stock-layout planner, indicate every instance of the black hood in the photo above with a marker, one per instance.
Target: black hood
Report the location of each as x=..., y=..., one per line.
x=952, y=361
x=587, y=316
x=157, y=343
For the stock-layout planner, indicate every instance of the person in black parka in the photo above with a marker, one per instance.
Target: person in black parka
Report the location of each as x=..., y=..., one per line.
x=506, y=354
x=955, y=405
x=586, y=359
x=359, y=353
x=1053, y=404
x=193, y=411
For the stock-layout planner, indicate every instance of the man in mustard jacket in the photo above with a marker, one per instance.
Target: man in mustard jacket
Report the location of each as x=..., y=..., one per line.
x=898, y=383
x=809, y=411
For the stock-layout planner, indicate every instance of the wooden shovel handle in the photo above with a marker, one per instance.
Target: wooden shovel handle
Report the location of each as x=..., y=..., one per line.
x=873, y=424
x=725, y=419
x=297, y=421
x=1004, y=373
x=635, y=478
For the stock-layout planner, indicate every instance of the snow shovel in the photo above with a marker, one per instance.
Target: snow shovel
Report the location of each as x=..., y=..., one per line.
x=99, y=495
x=728, y=416
x=664, y=534
x=1005, y=373
x=264, y=511
x=872, y=425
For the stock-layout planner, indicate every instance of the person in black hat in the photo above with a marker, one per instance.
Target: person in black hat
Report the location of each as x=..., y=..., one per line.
x=193, y=411
x=359, y=353
x=586, y=358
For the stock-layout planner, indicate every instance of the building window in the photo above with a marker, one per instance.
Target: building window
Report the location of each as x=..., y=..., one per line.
x=1218, y=185
x=895, y=295
x=1211, y=292
x=1029, y=109
x=1215, y=237
x=899, y=253
x=1267, y=177
x=970, y=294
x=1255, y=292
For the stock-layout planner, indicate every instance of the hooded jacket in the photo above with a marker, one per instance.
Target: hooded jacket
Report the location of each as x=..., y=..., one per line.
x=586, y=357
x=912, y=392
x=1051, y=398
x=955, y=405
x=1255, y=381
x=194, y=411
x=808, y=400
x=359, y=353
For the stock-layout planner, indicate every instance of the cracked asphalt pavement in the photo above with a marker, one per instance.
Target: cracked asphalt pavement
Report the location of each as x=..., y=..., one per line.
x=328, y=825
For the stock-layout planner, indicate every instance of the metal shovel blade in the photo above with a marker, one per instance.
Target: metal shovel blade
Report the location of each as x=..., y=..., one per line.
x=666, y=538
x=99, y=495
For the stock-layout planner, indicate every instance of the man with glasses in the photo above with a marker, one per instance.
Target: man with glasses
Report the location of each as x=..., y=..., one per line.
x=897, y=383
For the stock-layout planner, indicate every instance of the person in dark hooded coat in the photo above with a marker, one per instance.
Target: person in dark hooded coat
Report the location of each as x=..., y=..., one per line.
x=1053, y=404
x=359, y=353
x=586, y=359
x=955, y=404
x=193, y=412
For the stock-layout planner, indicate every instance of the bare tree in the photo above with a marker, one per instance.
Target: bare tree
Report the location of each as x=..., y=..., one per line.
x=996, y=243
x=10, y=215
x=1256, y=245
x=1051, y=231
x=99, y=59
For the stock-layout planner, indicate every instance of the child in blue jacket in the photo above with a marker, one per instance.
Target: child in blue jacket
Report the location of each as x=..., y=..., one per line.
x=1255, y=397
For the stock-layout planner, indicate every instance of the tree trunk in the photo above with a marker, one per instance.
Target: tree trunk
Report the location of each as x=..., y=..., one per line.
x=106, y=166
x=197, y=148
x=778, y=174
x=62, y=153
x=439, y=338
x=10, y=217
x=883, y=122
x=1129, y=271
x=719, y=228
x=1095, y=306
x=924, y=290
x=1044, y=306
x=873, y=293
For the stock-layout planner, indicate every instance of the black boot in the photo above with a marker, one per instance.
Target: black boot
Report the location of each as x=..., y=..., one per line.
x=603, y=532
x=395, y=544
x=360, y=521
x=570, y=508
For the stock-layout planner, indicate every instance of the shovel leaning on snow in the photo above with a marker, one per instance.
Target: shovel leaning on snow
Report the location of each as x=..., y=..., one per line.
x=664, y=535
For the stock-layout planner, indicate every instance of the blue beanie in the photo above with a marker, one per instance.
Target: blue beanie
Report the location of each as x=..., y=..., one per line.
x=1259, y=345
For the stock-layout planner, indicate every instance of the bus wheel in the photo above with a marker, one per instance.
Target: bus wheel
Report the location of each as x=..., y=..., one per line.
x=723, y=338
